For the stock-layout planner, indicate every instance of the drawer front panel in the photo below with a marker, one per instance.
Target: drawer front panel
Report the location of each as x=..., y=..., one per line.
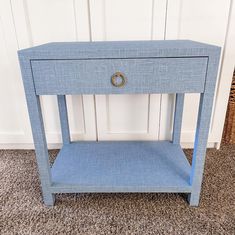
x=94, y=76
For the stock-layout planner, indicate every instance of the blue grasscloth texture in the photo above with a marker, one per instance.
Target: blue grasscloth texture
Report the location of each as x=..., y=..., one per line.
x=143, y=75
x=122, y=166
x=175, y=66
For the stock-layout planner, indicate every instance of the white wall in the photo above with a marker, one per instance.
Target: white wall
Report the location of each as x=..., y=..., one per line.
x=25, y=23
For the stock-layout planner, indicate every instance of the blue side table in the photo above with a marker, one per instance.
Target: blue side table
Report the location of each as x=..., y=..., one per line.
x=134, y=67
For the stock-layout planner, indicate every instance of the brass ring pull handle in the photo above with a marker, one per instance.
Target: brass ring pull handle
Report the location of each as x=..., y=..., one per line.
x=118, y=79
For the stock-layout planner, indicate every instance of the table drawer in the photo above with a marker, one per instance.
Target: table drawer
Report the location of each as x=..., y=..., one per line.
x=143, y=75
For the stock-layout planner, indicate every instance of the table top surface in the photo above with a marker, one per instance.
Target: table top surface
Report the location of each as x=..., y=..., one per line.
x=119, y=49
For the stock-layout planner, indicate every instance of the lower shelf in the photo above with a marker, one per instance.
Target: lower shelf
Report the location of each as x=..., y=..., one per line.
x=121, y=167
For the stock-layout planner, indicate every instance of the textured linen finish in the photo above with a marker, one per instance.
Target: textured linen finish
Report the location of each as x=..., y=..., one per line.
x=177, y=66
x=158, y=75
x=119, y=49
x=128, y=166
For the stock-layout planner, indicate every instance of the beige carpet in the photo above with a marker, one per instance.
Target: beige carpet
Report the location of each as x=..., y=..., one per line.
x=22, y=211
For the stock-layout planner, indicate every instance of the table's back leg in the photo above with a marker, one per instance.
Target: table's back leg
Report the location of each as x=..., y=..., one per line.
x=179, y=106
x=35, y=114
x=64, y=123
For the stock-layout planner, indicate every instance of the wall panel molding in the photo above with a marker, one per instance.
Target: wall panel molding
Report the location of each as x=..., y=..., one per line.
x=24, y=23
x=145, y=21
x=193, y=20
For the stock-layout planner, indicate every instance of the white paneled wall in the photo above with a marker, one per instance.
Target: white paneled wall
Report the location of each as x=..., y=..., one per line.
x=25, y=23
x=204, y=21
x=128, y=116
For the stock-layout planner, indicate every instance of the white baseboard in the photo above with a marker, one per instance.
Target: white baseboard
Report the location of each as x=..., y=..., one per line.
x=20, y=140
x=58, y=145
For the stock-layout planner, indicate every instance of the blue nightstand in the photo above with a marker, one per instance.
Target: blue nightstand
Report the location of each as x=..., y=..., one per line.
x=177, y=66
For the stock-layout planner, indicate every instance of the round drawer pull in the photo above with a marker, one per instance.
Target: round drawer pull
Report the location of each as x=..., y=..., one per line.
x=118, y=79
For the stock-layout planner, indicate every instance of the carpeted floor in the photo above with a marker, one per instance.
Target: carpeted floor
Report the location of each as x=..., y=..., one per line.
x=22, y=210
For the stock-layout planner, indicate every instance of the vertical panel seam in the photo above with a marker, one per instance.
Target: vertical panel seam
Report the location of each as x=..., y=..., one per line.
x=83, y=115
x=151, y=35
x=75, y=20
x=160, y=108
x=89, y=20
x=14, y=25
x=96, y=125
x=27, y=21
x=148, y=119
x=107, y=113
x=166, y=15
x=152, y=20
x=180, y=18
x=104, y=19
x=76, y=35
